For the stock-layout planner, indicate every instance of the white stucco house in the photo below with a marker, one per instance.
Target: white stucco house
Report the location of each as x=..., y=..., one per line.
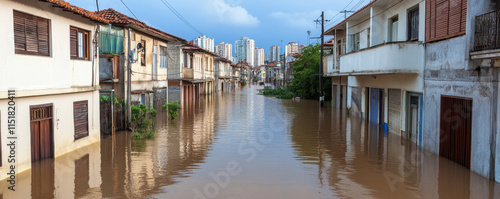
x=377, y=64
x=49, y=59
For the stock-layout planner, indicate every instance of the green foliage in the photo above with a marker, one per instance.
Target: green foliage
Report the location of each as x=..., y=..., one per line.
x=255, y=79
x=142, y=121
x=173, y=109
x=243, y=83
x=305, y=75
x=278, y=93
x=118, y=103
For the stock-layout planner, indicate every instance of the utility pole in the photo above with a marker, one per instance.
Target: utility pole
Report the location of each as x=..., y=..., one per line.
x=345, y=12
x=321, y=96
x=308, y=37
x=129, y=76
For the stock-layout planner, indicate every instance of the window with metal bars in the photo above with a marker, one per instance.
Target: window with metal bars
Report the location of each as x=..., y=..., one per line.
x=413, y=24
x=79, y=43
x=31, y=34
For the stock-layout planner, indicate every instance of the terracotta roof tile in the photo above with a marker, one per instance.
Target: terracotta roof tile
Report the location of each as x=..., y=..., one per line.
x=116, y=17
x=76, y=10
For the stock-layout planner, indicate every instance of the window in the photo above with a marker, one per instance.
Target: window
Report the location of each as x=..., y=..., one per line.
x=368, y=37
x=143, y=53
x=79, y=43
x=413, y=24
x=81, y=119
x=143, y=98
x=444, y=19
x=31, y=34
x=354, y=42
x=163, y=57
x=393, y=29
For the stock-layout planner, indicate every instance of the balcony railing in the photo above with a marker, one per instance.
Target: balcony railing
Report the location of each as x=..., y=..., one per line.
x=487, y=33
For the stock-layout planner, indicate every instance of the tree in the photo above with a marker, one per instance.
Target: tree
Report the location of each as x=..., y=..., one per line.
x=305, y=75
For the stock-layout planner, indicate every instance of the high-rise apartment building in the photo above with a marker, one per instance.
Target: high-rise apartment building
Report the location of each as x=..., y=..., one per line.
x=205, y=43
x=259, y=57
x=224, y=50
x=245, y=50
x=274, y=53
x=292, y=48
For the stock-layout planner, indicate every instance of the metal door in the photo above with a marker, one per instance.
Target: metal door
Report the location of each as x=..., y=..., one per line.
x=395, y=111
x=154, y=62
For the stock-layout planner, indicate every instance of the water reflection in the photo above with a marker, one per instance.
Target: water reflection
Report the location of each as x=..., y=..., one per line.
x=314, y=153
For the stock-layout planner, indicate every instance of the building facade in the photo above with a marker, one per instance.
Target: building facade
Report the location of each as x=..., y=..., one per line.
x=292, y=48
x=274, y=53
x=259, y=57
x=224, y=50
x=244, y=50
x=205, y=43
x=50, y=66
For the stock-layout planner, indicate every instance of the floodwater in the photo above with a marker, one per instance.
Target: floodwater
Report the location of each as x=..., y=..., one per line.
x=243, y=145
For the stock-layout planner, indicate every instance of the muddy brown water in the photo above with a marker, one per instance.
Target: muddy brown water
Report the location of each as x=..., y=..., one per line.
x=243, y=145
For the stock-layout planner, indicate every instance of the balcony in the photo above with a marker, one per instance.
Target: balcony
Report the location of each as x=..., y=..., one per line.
x=331, y=65
x=487, y=36
x=387, y=58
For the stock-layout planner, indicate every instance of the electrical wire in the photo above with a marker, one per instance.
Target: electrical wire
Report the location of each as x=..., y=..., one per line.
x=171, y=8
x=129, y=10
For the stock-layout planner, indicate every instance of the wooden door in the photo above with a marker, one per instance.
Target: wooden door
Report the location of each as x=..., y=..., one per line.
x=455, y=129
x=41, y=132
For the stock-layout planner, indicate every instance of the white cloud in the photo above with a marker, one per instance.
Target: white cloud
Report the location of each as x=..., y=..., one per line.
x=302, y=20
x=232, y=14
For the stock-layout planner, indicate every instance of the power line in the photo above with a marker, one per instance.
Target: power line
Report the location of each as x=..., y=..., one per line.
x=129, y=10
x=171, y=8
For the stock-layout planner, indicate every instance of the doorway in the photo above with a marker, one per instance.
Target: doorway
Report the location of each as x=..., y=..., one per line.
x=376, y=106
x=42, y=146
x=414, y=118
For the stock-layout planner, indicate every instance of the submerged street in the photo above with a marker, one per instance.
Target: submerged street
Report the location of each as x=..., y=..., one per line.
x=245, y=145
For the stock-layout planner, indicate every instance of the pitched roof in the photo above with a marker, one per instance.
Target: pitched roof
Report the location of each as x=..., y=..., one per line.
x=190, y=46
x=218, y=58
x=116, y=17
x=77, y=10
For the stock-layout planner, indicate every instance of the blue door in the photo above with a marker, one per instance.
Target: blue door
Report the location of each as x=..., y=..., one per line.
x=374, y=105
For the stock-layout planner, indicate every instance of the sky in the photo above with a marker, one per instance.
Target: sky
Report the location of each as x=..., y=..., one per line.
x=268, y=22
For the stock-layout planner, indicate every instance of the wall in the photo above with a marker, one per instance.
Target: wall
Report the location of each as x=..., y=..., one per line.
x=175, y=61
x=445, y=75
x=388, y=58
x=46, y=75
x=63, y=125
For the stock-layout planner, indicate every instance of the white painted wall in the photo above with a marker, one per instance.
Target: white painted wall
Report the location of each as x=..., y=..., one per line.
x=29, y=72
x=39, y=80
x=63, y=126
x=407, y=57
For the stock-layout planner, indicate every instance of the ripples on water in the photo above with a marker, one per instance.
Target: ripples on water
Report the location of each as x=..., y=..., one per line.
x=301, y=151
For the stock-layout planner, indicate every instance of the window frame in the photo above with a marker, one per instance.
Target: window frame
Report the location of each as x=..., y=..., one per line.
x=24, y=37
x=85, y=41
x=143, y=53
x=410, y=23
x=163, y=58
x=392, y=20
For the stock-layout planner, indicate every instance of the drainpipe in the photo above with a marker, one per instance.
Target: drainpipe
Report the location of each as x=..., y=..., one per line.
x=129, y=84
x=494, y=127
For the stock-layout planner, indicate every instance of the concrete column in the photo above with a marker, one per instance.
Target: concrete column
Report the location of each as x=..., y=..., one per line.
x=363, y=102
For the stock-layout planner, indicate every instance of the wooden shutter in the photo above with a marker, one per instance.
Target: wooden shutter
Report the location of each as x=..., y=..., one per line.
x=86, y=45
x=31, y=34
x=73, y=40
x=19, y=31
x=43, y=36
x=80, y=111
x=445, y=19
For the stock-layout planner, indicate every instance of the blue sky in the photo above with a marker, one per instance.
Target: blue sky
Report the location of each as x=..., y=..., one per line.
x=266, y=21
